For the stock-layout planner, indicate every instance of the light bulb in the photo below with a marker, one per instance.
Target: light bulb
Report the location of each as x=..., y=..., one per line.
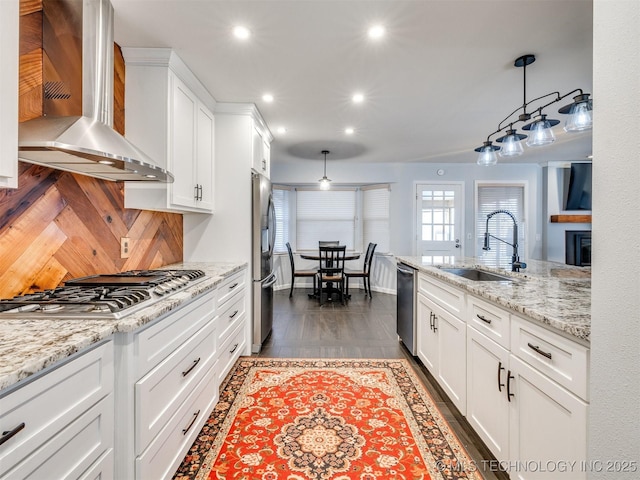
x=511, y=147
x=487, y=156
x=580, y=118
x=325, y=183
x=541, y=134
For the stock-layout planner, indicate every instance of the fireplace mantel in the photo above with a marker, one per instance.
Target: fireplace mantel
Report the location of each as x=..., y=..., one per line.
x=570, y=219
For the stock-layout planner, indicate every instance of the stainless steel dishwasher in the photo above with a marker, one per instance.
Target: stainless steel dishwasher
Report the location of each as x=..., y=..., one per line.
x=406, y=305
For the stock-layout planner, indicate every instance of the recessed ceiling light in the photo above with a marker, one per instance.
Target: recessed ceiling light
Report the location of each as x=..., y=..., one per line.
x=349, y=130
x=241, y=32
x=377, y=31
x=267, y=97
x=357, y=98
x=282, y=130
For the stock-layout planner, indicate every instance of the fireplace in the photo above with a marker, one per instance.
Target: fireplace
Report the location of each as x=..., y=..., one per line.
x=578, y=247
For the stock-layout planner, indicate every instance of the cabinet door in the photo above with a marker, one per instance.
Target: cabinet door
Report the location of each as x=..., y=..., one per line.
x=205, y=158
x=256, y=161
x=452, y=365
x=427, y=337
x=182, y=143
x=548, y=427
x=487, y=404
x=9, y=22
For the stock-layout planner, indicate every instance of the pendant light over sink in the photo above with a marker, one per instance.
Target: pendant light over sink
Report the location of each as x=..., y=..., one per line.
x=540, y=130
x=325, y=183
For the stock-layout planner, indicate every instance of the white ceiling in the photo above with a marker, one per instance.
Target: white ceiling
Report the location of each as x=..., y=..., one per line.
x=435, y=86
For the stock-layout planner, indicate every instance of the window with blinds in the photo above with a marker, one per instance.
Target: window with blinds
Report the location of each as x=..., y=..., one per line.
x=375, y=217
x=500, y=197
x=325, y=215
x=282, y=204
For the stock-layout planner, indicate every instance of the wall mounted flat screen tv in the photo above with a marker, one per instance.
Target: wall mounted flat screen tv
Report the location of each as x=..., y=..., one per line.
x=578, y=187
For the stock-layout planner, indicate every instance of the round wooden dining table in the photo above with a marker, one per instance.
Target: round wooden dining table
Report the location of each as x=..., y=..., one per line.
x=316, y=257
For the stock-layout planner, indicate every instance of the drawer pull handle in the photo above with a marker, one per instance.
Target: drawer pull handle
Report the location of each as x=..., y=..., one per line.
x=231, y=287
x=193, y=420
x=536, y=349
x=484, y=319
x=500, y=384
x=188, y=370
x=235, y=347
x=6, y=435
x=509, y=377
x=233, y=314
x=435, y=324
x=431, y=320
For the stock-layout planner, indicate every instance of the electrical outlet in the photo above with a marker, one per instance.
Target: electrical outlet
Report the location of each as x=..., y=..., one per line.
x=125, y=247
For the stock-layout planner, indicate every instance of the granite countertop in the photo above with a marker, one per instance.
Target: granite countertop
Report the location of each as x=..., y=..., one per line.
x=30, y=345
x=554, y=294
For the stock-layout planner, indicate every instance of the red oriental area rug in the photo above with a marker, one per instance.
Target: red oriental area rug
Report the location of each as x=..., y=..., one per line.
x=325, y=420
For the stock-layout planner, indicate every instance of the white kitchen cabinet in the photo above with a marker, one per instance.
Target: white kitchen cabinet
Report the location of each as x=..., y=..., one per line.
x=63, y=419
x=548, y=426
x=525, y=403
x=168, y=115
x=487, y=402
x=442, y=348
x=231, y=321
x=261, y=154
x=9, y=29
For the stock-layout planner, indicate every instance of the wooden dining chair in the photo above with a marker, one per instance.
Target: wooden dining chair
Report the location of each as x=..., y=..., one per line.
x=328, y=243
x=365, y=273
x=313, y=273
x=331, y=271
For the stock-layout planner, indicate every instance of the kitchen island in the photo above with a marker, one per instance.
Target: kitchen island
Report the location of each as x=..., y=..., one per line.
x=512, y=354
x=554, y=294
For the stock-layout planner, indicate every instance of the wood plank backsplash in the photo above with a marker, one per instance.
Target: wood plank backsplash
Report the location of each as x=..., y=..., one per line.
x=58, y=225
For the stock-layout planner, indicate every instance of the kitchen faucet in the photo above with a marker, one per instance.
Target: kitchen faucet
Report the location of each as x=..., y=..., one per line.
x=516, y=264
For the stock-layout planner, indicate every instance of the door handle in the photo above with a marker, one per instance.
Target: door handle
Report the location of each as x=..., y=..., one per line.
x=457, y=243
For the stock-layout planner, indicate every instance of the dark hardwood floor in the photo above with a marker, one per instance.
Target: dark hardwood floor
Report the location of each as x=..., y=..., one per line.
x=364, y=328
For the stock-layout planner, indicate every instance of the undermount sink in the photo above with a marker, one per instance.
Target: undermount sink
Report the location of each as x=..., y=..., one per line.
x=477, y=275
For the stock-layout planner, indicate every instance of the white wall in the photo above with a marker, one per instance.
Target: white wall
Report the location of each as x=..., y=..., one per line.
x=614, y=419
x=403, y=178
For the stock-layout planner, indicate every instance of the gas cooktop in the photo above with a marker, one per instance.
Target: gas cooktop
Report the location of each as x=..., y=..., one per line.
x=101, y=296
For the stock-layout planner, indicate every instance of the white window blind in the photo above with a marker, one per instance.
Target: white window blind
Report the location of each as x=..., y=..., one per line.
x=325, y=215
x=281, y=202
x=500, y=197
x=375, y=216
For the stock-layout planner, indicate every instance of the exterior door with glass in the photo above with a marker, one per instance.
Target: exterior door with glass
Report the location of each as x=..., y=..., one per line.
x=440, y=214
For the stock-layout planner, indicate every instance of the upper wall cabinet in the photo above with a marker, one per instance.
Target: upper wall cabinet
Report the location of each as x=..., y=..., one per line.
x=168, y=114
x=243, y=137
x=9, y=23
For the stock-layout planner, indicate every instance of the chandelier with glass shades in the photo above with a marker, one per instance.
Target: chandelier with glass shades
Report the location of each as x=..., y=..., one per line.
x=325, y=183
x=540, y=131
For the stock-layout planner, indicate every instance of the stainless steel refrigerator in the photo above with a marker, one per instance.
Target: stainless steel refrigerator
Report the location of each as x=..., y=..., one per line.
x=262, y=243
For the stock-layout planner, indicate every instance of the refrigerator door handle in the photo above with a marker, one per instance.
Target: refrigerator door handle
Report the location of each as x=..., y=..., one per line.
x=271, y=222
x=269, y=281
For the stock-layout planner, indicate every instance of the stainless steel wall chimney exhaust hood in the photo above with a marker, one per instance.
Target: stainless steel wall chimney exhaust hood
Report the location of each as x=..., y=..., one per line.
x=75, y=134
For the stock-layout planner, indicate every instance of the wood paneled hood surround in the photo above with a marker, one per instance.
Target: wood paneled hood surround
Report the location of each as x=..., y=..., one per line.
x=75, y=132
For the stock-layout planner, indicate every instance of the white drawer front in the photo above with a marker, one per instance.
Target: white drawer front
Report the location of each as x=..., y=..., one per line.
x=72, y=451
x=229, y=352
x=103, y=469
x=49, y=403
x=447, y=296
x=230, y=287
x=230, y=317
x=168, y=449
x=490, y=320
x=160, y=393
x=559, y=358
x=155, y=343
